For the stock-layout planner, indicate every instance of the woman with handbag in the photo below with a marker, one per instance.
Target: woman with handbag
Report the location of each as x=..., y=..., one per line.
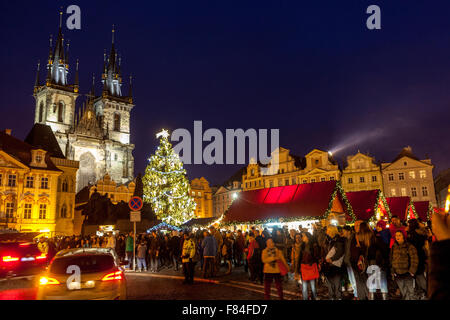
x=275, y=267
x=308, y=263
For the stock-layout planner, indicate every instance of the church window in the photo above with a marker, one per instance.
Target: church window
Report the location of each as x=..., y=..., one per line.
x=65, y=186
x=61, y=111
x=116, y=122
x=64, y=211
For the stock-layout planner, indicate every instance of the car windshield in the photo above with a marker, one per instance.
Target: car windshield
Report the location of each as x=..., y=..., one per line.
x=87, y=263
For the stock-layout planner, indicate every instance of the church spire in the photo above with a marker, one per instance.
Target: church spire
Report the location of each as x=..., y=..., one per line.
x=36, y=83
x=112, y=81
x=77, y=80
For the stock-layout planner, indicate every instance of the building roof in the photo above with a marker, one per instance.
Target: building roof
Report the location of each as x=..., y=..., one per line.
x=237, y=176
x=406, y=152
x=423, y=209
x=21, y=151
x=399, y=206
x=42, y=137
x=294, y=202
x=364, y=202
x=203, y=222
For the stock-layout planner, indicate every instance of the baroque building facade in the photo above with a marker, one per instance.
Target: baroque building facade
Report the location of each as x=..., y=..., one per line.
x=361, y=173
x=115, y=192
x=202, y=194
x=409, y=176
x=225, y=194
x=316, y=166
x=98, y=135
x=37, y=183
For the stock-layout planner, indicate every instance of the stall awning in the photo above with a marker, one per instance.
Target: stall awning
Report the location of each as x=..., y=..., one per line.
x=399, y=206
x=295, y=202
x=199, y=222
x=422, y=209
x=365, y=203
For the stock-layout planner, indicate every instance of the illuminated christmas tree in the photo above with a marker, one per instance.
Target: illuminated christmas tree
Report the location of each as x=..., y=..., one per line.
x=166, y=187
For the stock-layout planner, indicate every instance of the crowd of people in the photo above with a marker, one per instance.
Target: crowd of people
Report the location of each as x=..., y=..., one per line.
x=369, y=260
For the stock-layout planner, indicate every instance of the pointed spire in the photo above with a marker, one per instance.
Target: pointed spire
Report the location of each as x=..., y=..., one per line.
x=67, y=52
x=36, y=84
x=60, y=18
x=50, y=54
x=130, y=92
x=113, y=30
x=92, y=93
x=76, y=85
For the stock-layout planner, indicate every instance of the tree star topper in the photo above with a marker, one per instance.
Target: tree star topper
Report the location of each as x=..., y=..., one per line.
x=164, y=133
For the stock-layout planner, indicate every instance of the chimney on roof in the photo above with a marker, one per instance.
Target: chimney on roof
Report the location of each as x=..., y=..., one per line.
x=8, y=132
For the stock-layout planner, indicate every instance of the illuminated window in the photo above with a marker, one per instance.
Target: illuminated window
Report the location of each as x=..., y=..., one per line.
x=313, y=180
x=27, y=210
x=393, y=192
x=305, y=181
x=374, y=178
x=42, y=211
x=271, y=183
x=422, y=173
x=44, y=183
x=30, y=182
x=391, y=177
x=322, y=179
x=361, y=179
x=38, y=158
x=286, y=182
x=9, y=210
x=350, y=180
x=401, y=176
x=403, y=190
x=424, y=191
x=331, y=178
x=412, y=174
x=413, y=192
x=252, y=172
x=11, y=180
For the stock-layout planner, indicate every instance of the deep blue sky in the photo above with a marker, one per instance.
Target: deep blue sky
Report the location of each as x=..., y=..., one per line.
x=310, y=68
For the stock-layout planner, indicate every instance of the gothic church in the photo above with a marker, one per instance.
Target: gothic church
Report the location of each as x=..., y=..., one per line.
x=98, y=135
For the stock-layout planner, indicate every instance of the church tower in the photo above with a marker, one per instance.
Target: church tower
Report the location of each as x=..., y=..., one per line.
x=56, y=98
x=114, y=110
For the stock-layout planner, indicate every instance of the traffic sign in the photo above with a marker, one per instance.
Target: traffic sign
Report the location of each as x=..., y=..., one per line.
x=135, y=216
x=135, y=203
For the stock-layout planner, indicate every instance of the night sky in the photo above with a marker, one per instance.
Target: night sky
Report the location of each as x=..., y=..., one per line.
x=309, y=68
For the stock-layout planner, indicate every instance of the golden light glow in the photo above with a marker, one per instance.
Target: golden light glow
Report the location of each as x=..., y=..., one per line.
x=43, y=281
x=10, y=259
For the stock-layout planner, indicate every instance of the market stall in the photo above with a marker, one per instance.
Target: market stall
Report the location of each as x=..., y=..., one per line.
x=369, y=205
x=422, y=210
x=291, y=206
x=163, y=227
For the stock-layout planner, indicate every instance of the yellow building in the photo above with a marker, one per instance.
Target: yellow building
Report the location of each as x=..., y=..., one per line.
x=37, y=183
x=361, y=173
x=202, y=194
x=116, y=192
x=316, y=166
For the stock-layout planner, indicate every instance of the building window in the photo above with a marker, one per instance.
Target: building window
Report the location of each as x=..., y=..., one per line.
x=252, y=172
x=403, y=190
x=280, y=182
x=294, y=181
x=350, y=180
x=401, y=176
x=322, y=179
x=305, y=181
x=313, y=180
x=61, y=111
x=331, y=178
x=316, y=161
x=422, y=173
x=413, y=192
x=271, y=183
x=405, y=163
x=30, y=182
x=260, y=183
x=286, y=182
x=44, y=183
x=393, y=192
x=11, y=180
x=412, y=174
x=425, y=191
x=1, y=180
x=65, y=186
x=41, y=111
x=9, y=210
x=116, y=122
x=27, y=210
x=42, y=211
x=361, y=179
x=374, y=178
x=391, y=177
x=38, y=158
x=64, y=211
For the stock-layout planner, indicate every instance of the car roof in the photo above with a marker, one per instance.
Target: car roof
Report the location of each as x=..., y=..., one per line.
x=85, y=251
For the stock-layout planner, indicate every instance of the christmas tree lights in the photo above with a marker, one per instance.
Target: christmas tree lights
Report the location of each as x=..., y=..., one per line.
x=166, y=187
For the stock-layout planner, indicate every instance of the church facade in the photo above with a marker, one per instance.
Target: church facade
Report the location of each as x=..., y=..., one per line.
x=98, y=134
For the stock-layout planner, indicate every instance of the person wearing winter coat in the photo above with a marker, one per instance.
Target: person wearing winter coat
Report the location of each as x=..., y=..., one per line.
x=333, y=270
x=404, y=262
x=153, y=252
x=295, y=257
x=187, y=257
x=239, y=245
x=271, y=256
x=379, y=256
x=350, y=242
x=174, y=249
x=308, y=258
x=210, y=249
x=418, y=236
x=254, y=258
